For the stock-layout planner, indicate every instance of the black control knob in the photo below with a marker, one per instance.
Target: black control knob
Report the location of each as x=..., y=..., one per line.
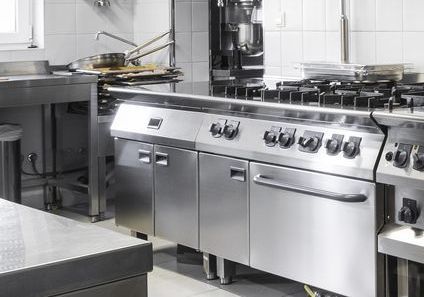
x=332, y=146
x=270, y=138
x=230, y=131
x=311, y=143
x=389, y=156
x=401, y=159
x=350, y=149
x=216, y=129
x=408, y=214
x=285, y=140
x=419, y=161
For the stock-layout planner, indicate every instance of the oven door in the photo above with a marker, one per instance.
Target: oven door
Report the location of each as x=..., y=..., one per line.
x=314, y=228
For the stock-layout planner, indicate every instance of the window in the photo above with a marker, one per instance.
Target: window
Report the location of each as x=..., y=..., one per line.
x=15, y=21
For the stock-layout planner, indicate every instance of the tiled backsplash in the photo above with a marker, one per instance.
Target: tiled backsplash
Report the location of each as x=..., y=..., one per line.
x=192, y=48
x=382, y=31
x=70, y=26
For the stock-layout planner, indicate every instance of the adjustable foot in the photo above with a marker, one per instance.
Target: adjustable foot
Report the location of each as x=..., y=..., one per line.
x=226, y=270
x=209, y=266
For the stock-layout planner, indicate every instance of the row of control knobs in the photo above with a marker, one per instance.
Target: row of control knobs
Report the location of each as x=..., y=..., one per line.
x=402, y=157
x=227, y=128
x=311, y=142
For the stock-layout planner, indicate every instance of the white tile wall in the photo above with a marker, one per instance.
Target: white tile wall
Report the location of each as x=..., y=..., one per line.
x=151, y=17
x=69, y=28
x=382, y=31
x=192, y=38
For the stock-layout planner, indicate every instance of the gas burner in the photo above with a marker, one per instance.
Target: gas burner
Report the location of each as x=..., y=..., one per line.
x=326, y=93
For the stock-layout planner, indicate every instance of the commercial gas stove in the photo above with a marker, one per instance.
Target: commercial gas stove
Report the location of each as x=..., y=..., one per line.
x=281, y=176
x=402, y=168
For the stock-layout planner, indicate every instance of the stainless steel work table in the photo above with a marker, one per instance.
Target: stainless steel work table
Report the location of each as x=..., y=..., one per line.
x=42, y=254
x=30, y=84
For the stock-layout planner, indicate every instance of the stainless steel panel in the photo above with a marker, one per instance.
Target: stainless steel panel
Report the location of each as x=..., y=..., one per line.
x=406, y=177
x=197, y=96
x=176, y=195
x=134, y=182
x=132, y=287
x=249, y=144
x=37, y=246
x=310, y=238
x=177, y=128
x=106, y=146
x=224, y=207
x=24, y=68
x=402, y=242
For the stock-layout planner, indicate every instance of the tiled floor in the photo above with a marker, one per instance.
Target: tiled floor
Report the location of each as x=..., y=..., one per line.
x=184, y=277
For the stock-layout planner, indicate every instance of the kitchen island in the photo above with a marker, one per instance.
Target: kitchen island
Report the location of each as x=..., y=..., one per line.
x=42, y=254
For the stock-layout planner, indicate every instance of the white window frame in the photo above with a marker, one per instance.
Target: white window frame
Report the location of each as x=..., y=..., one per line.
x=23, y=25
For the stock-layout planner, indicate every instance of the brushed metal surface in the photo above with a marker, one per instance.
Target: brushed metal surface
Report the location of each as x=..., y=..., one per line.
x=249, y=144
x=224, y=208
x=24, y=68
x=402, y=242
x=178, y=128
x=134, y=185
x=176, y=196
x=329, y=244
x=197, y=96
x=36, y=246
x=407, y=177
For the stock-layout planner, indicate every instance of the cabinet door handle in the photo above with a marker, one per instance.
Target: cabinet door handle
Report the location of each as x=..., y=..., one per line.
x=144, y=156
x=273, y=183
x=162, y=159
x=238, y=174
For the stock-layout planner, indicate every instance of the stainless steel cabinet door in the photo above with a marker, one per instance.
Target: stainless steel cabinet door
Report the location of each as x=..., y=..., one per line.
x=134, y=180
x=224, y=207
x=176, y=195
x=314, y=228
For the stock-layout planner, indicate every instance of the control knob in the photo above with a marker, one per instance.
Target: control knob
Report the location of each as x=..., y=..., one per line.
x=216, y=129
x=351, y=148
x=419, y=161
x=332, y=146
x=409, y=212
x=285, y=140
x=311, y=143
x=401, y=159
x=231, y=130
x=270, y=138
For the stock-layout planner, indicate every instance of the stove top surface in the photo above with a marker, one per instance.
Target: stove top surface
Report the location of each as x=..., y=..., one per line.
x=353, y=96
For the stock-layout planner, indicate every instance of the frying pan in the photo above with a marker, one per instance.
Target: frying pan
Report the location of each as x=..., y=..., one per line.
x=99, y=61
x=111, y=60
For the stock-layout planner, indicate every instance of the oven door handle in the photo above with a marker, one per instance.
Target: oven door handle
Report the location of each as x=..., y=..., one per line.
x=270, y=182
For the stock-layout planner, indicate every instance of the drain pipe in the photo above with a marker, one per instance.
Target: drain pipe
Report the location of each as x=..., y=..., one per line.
x=344, y=34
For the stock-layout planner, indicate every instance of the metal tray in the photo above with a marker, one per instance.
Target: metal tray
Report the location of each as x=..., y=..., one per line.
x=352, y=72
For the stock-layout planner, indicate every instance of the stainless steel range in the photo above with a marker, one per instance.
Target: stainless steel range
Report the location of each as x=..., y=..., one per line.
x=403, y=169
x=280, y=178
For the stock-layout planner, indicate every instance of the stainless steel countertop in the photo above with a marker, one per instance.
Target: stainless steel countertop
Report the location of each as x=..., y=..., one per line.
x=38, y=80
x=38, y=89
x=402, y=242
x=36, y=245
